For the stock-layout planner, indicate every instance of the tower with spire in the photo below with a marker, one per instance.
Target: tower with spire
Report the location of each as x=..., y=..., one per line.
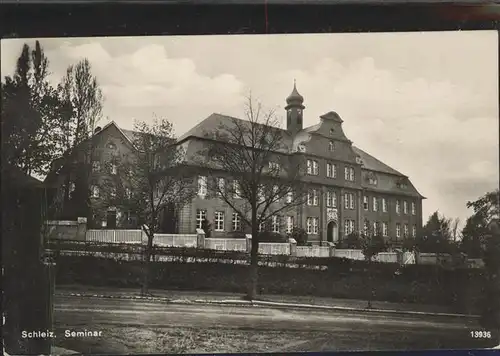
x=294, y=111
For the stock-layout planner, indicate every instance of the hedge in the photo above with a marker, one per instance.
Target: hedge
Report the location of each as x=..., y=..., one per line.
x=411, y=284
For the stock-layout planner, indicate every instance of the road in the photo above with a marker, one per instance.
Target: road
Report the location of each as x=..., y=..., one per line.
x=287, y=330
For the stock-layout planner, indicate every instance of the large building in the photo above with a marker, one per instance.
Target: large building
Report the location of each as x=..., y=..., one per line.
x=350, y=189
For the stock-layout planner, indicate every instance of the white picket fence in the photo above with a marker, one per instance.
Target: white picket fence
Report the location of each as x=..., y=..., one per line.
x=175, y=240
x=313, y=251
x=274, y=248
x=115, y=236
x=350, y=254
x=226, y=244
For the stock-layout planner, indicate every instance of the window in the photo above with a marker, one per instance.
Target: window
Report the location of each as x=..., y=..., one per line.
x=221, y=184
x=200, y=216
x=312, y=167
x=113, y=192
x=405, y=207
x=111, y=146
x=375, y=203
x=72, y=187
x=331, y=146
x=331, y=199
x=236, y=190
x=94, y=191
x=276, y=193
x=349, y=174
x=315, y=168
x=260, y=194
x=96, y=166
x=312, y=225
x=385, y=228
x=331, y=170
x=414, y=231
x=348, y=226
x=128, y=193
x=413, y=209
x=375, y=228
x=365, y=227
x=398, y=230
x=275, y=223
x=406, y=231
x=114, y=168
x=289, y=223
x=219, y=221
x=202, y=186
x=348, y=201
x=236, y=222
x=261, y=227
x=372, y=180
x=365, y=202
x=289, y=197
x=384, y=205
x=274, y=166
x=313, y=197
x=398, y=207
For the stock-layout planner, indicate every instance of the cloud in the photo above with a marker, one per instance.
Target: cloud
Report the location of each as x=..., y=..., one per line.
x=424, y=103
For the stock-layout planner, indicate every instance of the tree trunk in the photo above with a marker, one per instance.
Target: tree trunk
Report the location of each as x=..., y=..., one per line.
x=147, y=266
x=370, y=284
x=254, y=263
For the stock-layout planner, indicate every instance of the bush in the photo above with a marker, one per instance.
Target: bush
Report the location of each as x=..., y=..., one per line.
x=268, y=236
x=236, y=235
x=299, y=235
x=352, y=241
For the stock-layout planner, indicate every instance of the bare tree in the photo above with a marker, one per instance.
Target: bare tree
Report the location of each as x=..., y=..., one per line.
x=80, y=91
x=265, y=176
x=152, y=179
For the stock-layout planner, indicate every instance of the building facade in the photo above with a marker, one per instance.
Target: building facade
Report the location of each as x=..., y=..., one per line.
x=350, y=190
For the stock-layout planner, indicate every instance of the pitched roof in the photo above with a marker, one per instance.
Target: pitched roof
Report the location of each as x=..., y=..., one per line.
x=373, y=164
x=215, y=121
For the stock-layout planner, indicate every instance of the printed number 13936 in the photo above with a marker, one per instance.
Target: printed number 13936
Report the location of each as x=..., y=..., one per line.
x=480, y=334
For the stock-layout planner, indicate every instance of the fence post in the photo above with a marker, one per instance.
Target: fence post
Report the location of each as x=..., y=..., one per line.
x=331, y=250
x=81, y=229
x=200, y=238
x=293, y=247
x=248, y=238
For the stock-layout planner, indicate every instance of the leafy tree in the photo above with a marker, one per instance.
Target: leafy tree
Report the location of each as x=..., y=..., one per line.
x=265, y=180
x=491, y=307
x=31, y=114
x=436, y=235
x=149, y=181
x=476, y=228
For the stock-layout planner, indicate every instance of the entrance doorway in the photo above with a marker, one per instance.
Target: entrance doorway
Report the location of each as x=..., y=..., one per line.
x=332, y=232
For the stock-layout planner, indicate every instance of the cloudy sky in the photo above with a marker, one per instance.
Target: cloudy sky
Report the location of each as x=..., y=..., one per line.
x=424, y=103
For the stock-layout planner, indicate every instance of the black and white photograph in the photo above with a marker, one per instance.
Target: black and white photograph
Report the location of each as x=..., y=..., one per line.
x=251, y=193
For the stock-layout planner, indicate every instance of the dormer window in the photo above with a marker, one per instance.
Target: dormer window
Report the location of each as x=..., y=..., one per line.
x=372, y=179
x=331, y=146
